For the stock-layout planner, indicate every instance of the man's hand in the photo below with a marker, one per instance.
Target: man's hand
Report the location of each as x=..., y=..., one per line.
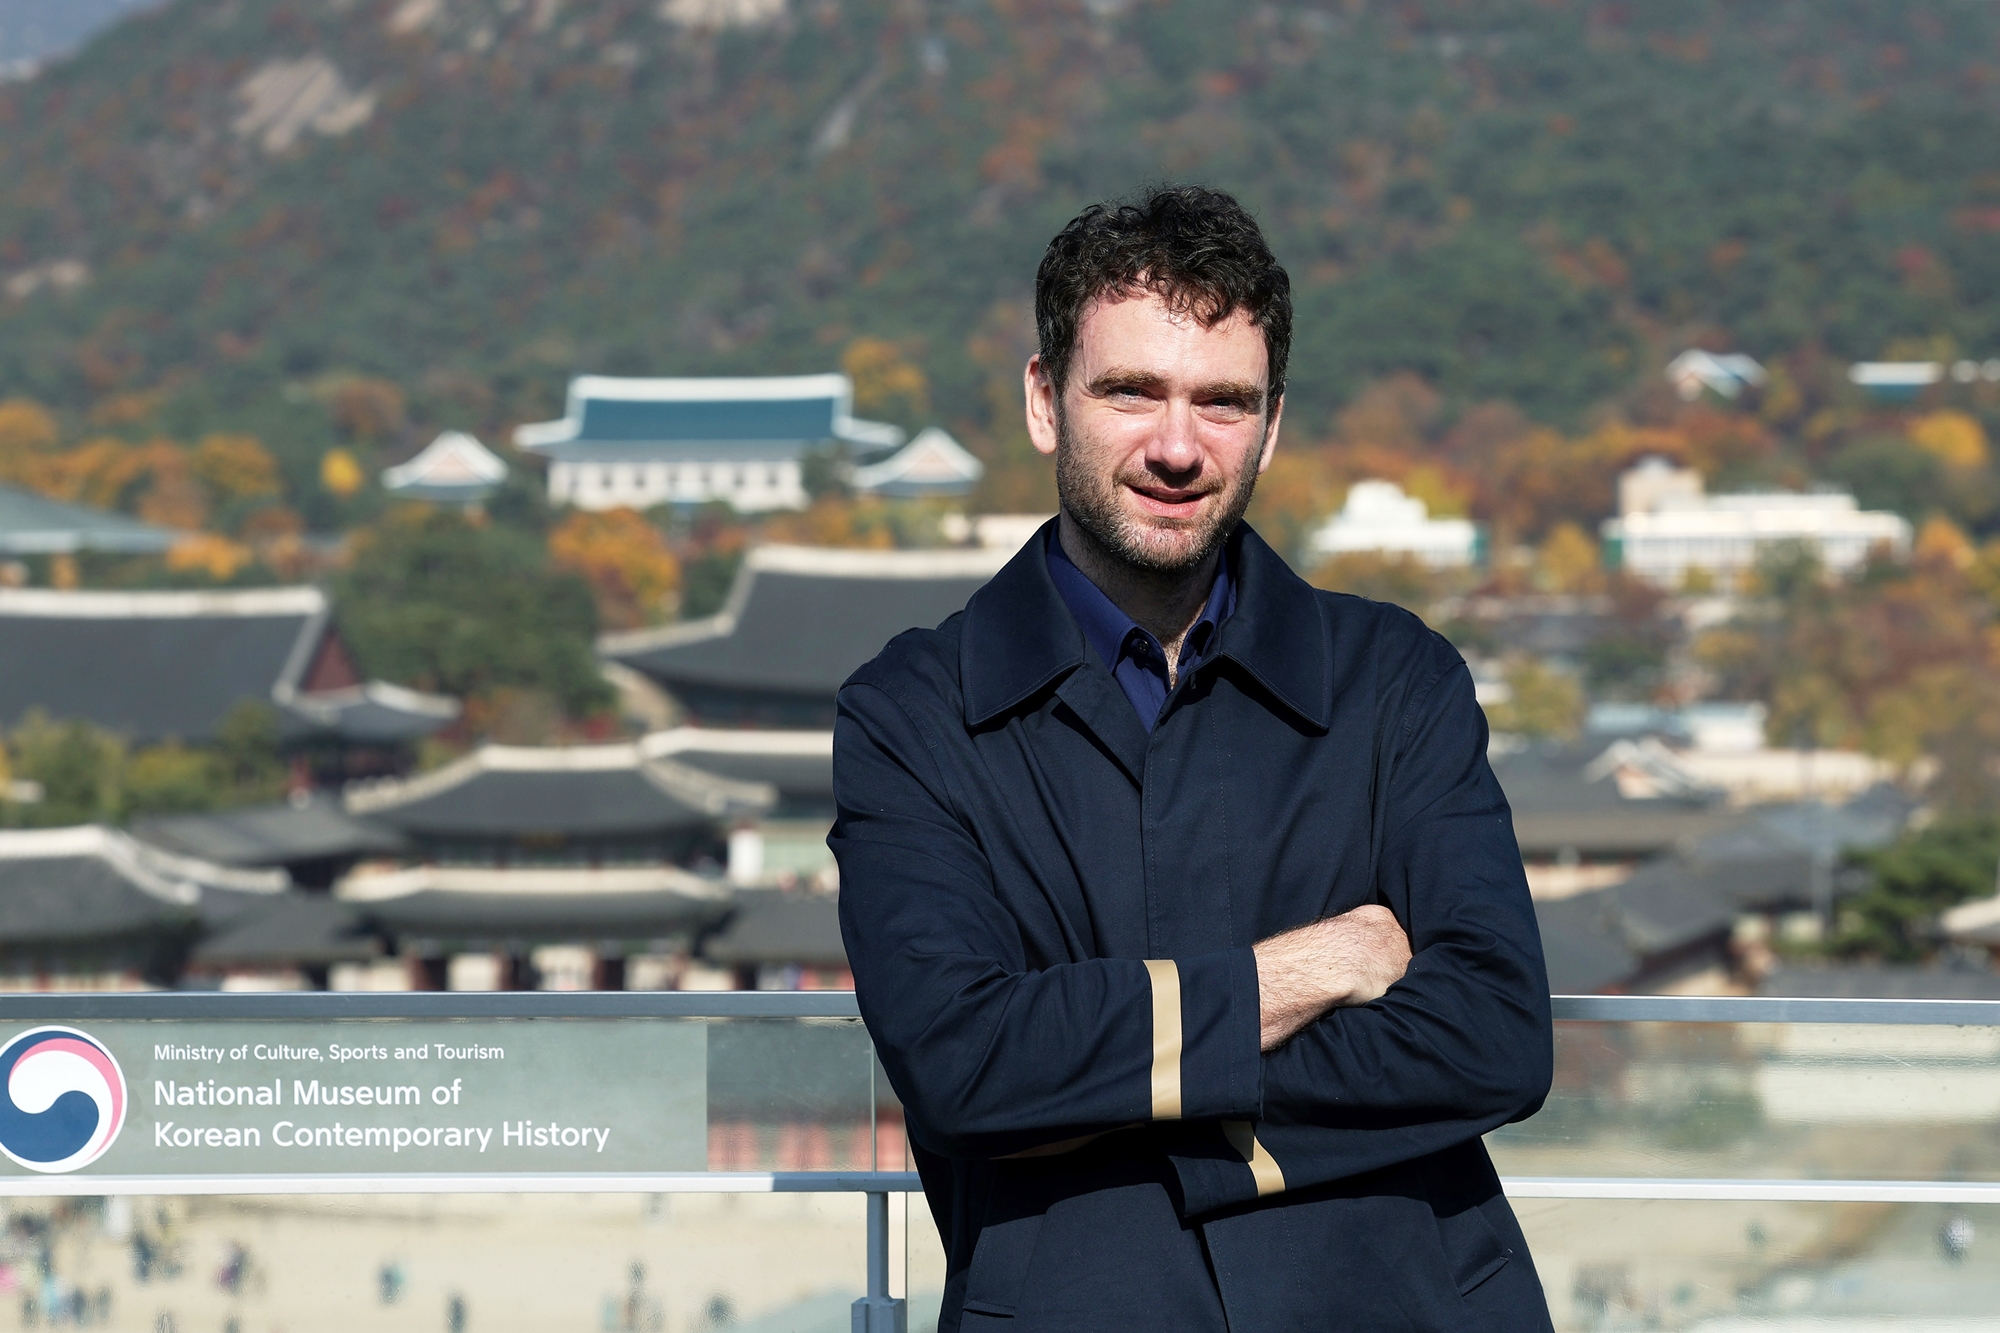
x=1344, y=960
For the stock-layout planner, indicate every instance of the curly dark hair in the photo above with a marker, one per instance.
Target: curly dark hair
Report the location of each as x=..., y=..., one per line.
x=1195, y=248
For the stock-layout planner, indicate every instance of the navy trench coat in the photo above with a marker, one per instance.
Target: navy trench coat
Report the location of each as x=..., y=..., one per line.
x=1050, y=915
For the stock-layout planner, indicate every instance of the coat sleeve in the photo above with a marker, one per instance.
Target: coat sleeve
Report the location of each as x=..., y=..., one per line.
x=992, y=1057
x=1463, y=1043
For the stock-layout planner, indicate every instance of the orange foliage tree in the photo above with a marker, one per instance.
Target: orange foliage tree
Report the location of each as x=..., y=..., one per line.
x=1903, y=661
x=632, y=573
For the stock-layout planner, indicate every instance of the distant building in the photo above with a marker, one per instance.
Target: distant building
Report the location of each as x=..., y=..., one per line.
x=1720, y=748
x=798, y=621
x=155, y=666
x=1725, y=373
x=778, y=940
x=787, y=845
x=309, y=836
x=570, y=805
x=1710, y=727
x=1378, y=518
x=94, y=908
x=1673, y=526
x=31, y=524
x=1895, y=381
x=452, y=469
x=637, y=443
x=931, y=464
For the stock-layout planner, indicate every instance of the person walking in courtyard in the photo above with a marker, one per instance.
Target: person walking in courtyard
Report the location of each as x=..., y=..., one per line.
x=1183, y=906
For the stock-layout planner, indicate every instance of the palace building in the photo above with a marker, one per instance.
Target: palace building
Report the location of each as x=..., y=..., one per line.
x=156, y=666
x=637, y=443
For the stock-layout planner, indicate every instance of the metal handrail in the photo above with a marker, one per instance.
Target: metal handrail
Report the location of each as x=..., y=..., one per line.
x=215, y=1005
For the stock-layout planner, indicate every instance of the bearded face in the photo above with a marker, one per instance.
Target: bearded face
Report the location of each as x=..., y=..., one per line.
x=1160, y=431
x=1094, y=491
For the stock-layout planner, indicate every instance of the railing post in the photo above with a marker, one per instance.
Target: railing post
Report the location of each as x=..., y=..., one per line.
x=877, y=1312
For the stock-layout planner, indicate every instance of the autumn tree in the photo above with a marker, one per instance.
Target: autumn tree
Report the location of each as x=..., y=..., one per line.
x=626, y=561
x=886, y=382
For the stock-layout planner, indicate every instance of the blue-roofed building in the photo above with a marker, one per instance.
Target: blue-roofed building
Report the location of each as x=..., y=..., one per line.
x=636, y=443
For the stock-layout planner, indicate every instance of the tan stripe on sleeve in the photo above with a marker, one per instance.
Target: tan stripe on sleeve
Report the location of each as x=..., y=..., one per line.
x=1263, y=1167
x=1166, y=978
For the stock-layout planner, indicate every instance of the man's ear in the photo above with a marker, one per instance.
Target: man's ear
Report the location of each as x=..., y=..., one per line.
x=1271, y=434
x=1041, y=395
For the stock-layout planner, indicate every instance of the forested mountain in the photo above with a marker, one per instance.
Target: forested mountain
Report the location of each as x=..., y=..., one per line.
x=219, y=208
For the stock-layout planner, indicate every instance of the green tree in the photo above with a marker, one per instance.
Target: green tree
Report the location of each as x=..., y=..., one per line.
x=442, y=602
x=80, y=768
x=1542, y=702
x=1913, y=880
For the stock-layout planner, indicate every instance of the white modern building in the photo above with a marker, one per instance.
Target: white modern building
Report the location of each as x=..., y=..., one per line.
x=1670, y=525
x=637, y=443
x=1378, y=518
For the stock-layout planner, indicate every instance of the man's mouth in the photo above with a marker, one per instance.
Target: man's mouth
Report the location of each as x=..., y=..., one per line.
x=1168, y=501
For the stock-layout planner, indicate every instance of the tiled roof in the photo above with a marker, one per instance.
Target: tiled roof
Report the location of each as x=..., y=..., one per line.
x=292, y=929
x=31, y=524
x=73, y=885
x=799, y=764
x=470, y=904
x=932, y=464
x=799, y=620
x=275, y=834
x=157, y=665
x=454, y=467
x=606, y=415
x=776, y=926
x=574, y=791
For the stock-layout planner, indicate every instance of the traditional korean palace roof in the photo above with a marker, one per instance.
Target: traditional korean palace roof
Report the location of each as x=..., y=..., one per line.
x=768, y=926
x=797, y=623
x=452, y=469
x=313, y=837
x=502, y=792
x=31, y=524
x=159, y=665
x=65, y=888
x=279, y=932
x=798, y=764
x=1565, y=799
x=932, y=464
x=478, y=904
x=759, y=417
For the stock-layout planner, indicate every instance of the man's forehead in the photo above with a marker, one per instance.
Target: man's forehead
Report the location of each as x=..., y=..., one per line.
x=1142, y=332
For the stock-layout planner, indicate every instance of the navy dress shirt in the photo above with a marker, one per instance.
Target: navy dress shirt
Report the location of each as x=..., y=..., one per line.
x=1128, y=650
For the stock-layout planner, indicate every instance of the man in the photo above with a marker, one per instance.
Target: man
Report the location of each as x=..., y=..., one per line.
x=1184, y=909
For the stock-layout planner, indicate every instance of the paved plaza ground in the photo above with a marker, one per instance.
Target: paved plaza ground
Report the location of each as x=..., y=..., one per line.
x=792, y=1263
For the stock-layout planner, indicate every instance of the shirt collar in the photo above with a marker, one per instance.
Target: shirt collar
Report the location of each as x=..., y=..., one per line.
x=1107, y=629
x=1017, y=637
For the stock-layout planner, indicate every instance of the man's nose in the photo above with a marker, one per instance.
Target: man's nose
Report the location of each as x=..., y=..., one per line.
x=1174, y=446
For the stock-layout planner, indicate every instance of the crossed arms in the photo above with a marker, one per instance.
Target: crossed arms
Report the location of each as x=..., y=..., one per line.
x=1342, y=1046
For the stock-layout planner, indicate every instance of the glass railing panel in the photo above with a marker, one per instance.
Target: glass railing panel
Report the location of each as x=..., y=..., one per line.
x=796, y=1094
x=1735, y=1267
x=667, y=1263
x=1765, y=1101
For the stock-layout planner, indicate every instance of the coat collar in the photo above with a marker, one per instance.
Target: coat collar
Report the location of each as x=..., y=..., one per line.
x=1019, y=637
